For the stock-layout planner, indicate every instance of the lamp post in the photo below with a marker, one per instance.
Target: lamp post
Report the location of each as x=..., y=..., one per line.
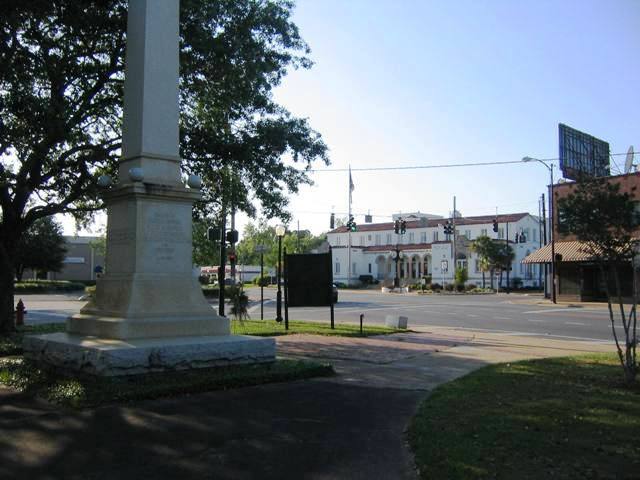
x=279, y=233
x=552, y=235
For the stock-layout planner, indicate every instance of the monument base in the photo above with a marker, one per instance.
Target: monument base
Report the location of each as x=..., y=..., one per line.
x=104, y=357
x=136, y=328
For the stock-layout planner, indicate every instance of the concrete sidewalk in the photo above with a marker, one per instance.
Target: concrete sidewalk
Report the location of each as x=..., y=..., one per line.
x=351, y=426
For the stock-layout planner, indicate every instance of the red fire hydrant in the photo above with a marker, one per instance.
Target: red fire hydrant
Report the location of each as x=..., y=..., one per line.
x=20, y=313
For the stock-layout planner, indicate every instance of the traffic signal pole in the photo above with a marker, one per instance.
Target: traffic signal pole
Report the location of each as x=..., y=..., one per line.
x=221, y=268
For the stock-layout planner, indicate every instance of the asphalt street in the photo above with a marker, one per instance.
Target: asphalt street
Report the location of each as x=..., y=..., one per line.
x=517, y=313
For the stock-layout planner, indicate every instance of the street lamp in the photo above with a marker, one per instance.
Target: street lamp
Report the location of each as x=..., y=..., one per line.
x=279, y=233
x=549, y=167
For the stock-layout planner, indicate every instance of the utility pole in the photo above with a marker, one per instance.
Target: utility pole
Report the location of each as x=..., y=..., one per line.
x=544, y=229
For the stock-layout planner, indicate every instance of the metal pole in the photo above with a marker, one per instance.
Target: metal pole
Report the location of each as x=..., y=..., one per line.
x=261, y=286
x=221, y=268
x=455, y=250
x=279, y=294
x=553, y=237
x=509, y=264
x=286, y=292
x=546, y=268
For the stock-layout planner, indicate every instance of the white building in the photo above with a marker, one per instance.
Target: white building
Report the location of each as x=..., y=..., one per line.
x=426, y=250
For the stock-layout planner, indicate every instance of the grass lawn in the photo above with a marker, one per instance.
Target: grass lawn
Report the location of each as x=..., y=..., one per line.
x=270, y=328
x=541, y=419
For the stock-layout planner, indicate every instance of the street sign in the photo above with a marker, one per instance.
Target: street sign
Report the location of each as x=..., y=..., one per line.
x=444, y=266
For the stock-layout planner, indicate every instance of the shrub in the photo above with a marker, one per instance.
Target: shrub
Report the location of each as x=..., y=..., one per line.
x=262, y=281
x=516, y=282
x=449, y=287
x=40, y=286
x=203, y=279
x=460, y=287
x=469, y=287
x=436, y=287
x=340, y=284
x=366, y=279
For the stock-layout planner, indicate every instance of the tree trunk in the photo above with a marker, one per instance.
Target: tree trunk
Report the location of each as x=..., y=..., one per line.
x=483, y=280
x=19, y=272
x=7, y=321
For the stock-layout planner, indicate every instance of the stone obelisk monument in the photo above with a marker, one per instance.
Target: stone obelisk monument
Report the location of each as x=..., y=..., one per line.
x=149, y=312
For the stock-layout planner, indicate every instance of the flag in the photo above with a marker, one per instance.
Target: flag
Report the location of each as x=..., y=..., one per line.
x=351, y=188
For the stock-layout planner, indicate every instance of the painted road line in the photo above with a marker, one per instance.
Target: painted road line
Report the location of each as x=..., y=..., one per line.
x=574, y=323
x=565, y=310
x=535, y=320
x=471, y=315
x=524, y=334
x=502, y=318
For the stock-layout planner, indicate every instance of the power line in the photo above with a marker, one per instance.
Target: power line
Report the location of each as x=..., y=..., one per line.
x=443, y=165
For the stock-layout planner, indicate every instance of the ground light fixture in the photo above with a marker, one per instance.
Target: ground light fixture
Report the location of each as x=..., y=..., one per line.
x=549, y=167
x=280, y=230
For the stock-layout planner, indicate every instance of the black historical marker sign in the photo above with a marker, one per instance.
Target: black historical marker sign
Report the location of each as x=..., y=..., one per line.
x=309, y=280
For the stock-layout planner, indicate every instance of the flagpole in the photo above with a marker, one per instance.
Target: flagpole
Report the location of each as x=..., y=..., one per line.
x=349, y=230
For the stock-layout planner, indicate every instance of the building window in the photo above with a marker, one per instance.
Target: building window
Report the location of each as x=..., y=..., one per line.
x=369, y=268
x=534, y=235
x=447, y=237
x=435, y=236
x=369, y=237
x=483, y=232
x=377, y=239
x=337, y=267
x=411, y=237
x=423, y=237
x=501, y=233
x=338, y=240
x=362, y=240
x=477, y=265
x=353, y=268
x=467, y=233
x=388, y=239
x=526, y=234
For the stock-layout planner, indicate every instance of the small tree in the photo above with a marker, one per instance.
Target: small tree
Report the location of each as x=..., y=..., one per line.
x=41, y=248
x=461, y=276
x=486, y=249
x=603, y=219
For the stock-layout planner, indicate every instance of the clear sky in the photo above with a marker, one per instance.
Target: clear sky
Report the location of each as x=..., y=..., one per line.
x=409, y=82
x=399, y=83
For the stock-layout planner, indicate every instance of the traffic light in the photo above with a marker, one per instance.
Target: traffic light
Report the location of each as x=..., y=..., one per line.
x=232, y=257
x=495, y=225
x=448, y=227
x=213, y=234
x=332, y=221
x=396, y=226
x=232, y=236
x=351, y=224
x=403, y=226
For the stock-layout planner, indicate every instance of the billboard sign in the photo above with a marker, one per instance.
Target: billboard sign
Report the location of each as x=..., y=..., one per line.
x=582, y=154
x=309, y=280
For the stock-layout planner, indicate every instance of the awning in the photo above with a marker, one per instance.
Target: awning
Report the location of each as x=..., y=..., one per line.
x=570, y=251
